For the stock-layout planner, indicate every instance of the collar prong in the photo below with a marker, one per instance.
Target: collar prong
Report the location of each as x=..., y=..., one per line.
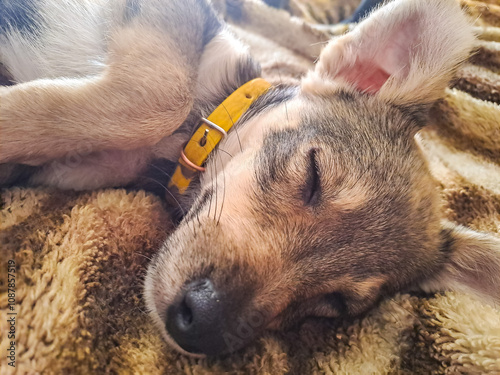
x=203, y=140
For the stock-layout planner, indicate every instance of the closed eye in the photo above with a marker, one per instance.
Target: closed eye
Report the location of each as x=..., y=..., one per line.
x=337, y=301
x=311, y=191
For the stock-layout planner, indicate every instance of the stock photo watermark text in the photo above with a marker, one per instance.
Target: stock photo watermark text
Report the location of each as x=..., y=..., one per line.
x=11, y=313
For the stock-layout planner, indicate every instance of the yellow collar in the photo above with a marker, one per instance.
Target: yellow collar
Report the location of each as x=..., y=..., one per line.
x=212, y=130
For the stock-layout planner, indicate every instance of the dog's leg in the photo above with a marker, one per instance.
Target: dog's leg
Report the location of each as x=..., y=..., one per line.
x=143, y=95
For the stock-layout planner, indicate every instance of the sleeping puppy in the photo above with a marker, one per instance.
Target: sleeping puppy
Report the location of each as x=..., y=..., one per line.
x=301, y=200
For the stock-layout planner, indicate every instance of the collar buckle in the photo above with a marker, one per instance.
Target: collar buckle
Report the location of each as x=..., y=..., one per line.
x=203, y=141
x=214, y=126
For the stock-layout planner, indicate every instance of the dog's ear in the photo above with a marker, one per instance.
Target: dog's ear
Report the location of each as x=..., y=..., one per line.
x=471, y=264
x=404, y=52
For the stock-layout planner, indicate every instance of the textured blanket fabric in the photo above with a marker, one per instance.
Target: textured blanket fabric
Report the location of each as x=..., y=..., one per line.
x=81, y=259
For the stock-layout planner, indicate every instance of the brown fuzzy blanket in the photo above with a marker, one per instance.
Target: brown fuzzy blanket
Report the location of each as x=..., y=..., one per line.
x=81, y=258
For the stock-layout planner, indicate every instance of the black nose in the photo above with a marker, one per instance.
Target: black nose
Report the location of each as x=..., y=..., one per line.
x=197, y=322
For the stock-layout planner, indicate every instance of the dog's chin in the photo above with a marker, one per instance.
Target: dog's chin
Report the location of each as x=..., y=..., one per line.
x=171, y=342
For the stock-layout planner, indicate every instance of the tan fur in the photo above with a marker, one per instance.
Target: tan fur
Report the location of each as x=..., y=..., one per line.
x=57, y=116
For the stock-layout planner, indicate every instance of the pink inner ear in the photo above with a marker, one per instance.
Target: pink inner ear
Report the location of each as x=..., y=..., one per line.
x=366, y=76
x=379, y=56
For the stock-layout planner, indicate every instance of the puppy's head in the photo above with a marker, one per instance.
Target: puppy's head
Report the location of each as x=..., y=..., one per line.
x=329, y=205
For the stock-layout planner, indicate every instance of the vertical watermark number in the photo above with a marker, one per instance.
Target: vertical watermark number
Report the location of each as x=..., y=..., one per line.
x=11, y=312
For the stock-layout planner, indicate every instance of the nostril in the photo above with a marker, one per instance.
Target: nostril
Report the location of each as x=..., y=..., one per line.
x=198, y=307
x=185, y=315
x=196, y=322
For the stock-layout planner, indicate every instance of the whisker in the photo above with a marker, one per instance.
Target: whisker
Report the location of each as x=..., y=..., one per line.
x=211, y=180
x=211, y=195
x=159, y=169
x=224, y=151
x=235, y=128
x=318, y=43
x=286, y=108
x=216, y=186
x=223, y=191
x=169, y=192
x=145, y=256
x=213, y=160
x=198, y=217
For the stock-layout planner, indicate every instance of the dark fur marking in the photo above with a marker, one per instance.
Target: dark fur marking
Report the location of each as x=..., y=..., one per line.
x=196, y=209
x=311, y=191
x=447, y=242
x=348, y=97
x=16, y=174
x=269, y=166
x=418, y=113
x=274, y=96
x=247, y=69
x=156, y=177
x=337, y=301
x=213, y=24
x=19, y=15
x=5, y=78
x=277, y=150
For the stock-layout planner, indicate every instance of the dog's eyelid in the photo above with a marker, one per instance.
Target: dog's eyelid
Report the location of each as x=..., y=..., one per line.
x=337, y=301
x=311, y=191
